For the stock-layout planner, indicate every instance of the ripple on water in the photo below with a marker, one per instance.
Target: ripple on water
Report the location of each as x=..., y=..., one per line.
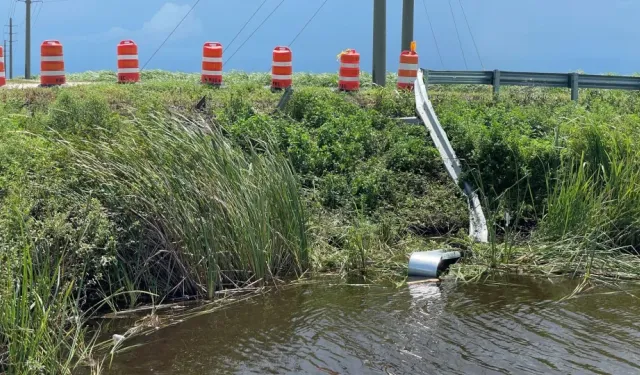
x=516, y=326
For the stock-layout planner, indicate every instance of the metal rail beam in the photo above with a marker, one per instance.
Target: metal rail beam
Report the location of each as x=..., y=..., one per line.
x=497, y=78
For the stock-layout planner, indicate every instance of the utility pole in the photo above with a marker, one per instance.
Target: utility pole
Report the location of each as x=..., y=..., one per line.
x=10, y=48
x=9, y=67
x=27, y=42
x=407, y=24
x=4, y=54
x=379, y=42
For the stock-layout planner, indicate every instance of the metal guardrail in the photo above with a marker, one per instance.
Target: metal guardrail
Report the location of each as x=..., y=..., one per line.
x=574, y=81
x=477, y=221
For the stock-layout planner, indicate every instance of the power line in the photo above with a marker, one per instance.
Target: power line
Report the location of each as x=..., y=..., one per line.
x=11, y=2
x=471, y=33
x=244, y=26
x=458, y=34
x=38, y=14
x=256, y=30
x=308, y=22
x=170, y=34
x=435, y=40
x=13, y=8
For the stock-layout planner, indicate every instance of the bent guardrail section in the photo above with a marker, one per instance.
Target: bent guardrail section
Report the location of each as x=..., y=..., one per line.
x=477, y=221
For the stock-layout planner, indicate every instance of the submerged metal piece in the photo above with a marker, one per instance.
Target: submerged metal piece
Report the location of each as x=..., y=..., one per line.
x=431, y=263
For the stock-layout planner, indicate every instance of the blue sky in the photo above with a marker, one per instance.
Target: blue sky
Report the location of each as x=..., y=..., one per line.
x=595, y=36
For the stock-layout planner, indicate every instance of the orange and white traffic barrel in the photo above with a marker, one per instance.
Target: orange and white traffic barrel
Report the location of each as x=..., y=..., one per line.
x=282, y=68
x=3, y=78
x=408, y=68
x=212, y=64
x=52, y=64
x=349, y=75
x=128, y=62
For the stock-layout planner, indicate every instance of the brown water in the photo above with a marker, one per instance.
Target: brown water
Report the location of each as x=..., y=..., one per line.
x=516, y=326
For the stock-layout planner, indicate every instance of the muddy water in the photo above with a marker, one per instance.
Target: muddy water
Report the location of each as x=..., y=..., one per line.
x=513, y=326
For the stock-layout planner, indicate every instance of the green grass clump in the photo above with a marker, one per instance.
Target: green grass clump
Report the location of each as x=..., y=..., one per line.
x=212, y=214
x=42, y=329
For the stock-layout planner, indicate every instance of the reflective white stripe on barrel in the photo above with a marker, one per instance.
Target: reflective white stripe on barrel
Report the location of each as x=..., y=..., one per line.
x=212, y=59
x=1, y=74
x=276, y=76
x=278, y=63
x=127, y=57
x=347, y=65
x=128, y=70
x=349, y=79
x=51, y=73
x=212, y=72
x=408, y=66
x=52, y=58
x=402, y=79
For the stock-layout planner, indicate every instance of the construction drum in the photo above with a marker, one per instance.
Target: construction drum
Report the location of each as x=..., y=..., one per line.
x=349, y=75
x=282, y=68
x=128, y=62
x=3, y=79
x=51, y=64
x=408, y=69
x=212, y=64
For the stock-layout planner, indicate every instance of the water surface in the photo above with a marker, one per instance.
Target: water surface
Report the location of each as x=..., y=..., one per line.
x=516, y=326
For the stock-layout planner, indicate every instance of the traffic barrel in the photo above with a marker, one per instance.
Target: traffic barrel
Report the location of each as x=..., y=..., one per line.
x=3, y=79
x=282, y=68
x=349, y=76
x=408, y=68
x=212, y=64
x=128, y=62
x=52, y=64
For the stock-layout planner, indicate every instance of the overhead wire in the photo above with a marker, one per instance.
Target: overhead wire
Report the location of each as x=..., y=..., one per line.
x=458, y=34
x=471, y=33
x=245, y=25
x=170, y=34
x=37, y=14
x=435, y=40
x=255, y=31
x=13, y=8
x=11, y=2
x=309, y=21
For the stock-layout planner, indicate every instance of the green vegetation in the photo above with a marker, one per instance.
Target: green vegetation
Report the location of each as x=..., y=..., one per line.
x=116, y=195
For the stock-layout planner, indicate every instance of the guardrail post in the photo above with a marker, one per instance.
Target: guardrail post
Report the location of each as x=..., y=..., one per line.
x=574, y=86
x=496, y=82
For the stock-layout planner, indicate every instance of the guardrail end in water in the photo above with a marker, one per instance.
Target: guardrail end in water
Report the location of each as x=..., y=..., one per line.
x=431, y=264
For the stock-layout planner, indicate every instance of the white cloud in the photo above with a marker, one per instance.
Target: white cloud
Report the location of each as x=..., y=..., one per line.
x=158, y=27
x=166, y=19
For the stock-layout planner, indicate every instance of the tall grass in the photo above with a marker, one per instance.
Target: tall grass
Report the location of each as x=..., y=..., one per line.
x=98, y=211
x=211, y=214
x=41, y=326
x=595, y=203
x=589, y=222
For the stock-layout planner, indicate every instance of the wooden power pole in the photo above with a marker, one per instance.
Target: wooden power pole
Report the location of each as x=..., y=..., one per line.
x=379, y=42
x=407, y=24
x=27, y=41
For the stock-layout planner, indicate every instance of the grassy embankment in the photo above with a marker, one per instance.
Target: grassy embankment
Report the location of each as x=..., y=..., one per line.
x=122, y=194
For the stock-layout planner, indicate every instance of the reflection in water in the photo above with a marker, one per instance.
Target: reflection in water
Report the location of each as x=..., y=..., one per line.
x=515, y=326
